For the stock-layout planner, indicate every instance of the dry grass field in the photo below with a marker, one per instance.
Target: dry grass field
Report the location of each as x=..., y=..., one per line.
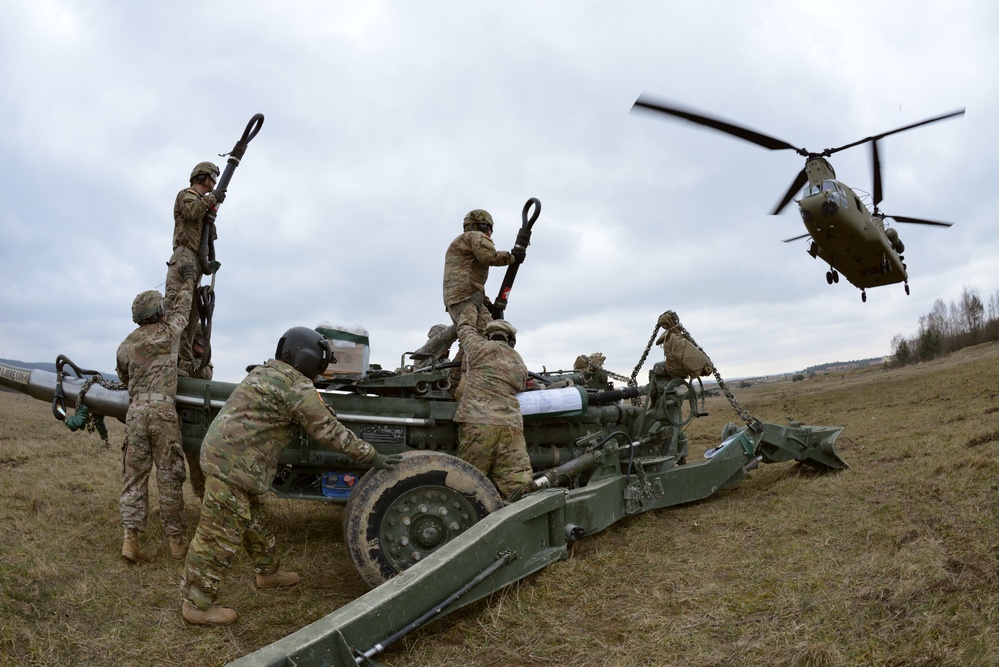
x=892, y=562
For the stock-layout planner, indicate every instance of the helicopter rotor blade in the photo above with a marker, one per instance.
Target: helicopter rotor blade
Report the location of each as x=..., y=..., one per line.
x=795, y=238
x=752, y=136
x=829, y=151
x=796, y=185
x=919, y=221
x=876, y=166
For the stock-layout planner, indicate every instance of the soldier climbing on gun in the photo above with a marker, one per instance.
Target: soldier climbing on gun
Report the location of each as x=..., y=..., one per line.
x=466, y=268
x=189, y=209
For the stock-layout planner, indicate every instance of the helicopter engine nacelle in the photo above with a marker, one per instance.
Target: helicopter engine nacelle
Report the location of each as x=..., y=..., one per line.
x=896, y=242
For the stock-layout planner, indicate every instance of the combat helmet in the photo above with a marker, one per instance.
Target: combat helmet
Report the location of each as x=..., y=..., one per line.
x=501, y=329
x=147, y=305
x=306, y=349
x=478, y=220
x=204, y=169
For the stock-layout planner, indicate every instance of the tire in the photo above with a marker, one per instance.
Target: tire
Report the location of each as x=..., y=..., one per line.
x=415, y=509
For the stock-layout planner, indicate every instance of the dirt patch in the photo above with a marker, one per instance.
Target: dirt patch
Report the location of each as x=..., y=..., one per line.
x=11, y=462
x=983, y=439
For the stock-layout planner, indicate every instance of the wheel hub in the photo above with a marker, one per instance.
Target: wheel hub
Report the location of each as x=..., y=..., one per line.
x=422, y=521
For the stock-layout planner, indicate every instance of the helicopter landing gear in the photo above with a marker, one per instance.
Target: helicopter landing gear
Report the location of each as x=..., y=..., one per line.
x=907, y=288
x=829, y=277
x=863, y=295
x=832, y=276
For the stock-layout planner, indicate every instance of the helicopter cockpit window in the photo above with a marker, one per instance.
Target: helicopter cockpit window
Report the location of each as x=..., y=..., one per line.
x=826, y=186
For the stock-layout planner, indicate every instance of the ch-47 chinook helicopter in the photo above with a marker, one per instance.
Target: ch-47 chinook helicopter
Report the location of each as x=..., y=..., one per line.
x=849, y=237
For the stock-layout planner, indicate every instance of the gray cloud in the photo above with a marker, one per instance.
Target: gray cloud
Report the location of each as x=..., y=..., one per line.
x=387, y=121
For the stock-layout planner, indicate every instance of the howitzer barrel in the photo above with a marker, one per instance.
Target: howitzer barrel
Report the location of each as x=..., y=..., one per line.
x=42, y=385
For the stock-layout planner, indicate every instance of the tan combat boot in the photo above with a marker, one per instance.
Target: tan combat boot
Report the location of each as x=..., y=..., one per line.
x=178, y=546
x=277, y=579
x=130, y=545
x=211, y=616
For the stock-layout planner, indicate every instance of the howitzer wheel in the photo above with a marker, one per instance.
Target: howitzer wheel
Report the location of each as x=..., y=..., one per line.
x=396, y=518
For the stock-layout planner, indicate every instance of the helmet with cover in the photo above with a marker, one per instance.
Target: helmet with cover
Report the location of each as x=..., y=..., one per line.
x=306, y=349
x=501, y=329
x=204, y=170
x=147, y=307
x=478, y=220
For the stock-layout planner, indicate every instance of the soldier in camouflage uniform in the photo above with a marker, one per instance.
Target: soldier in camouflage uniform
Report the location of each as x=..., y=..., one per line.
x=239, y=456
x=189, y=210
x=466, y=268
x=491, y=428
x=147, y=364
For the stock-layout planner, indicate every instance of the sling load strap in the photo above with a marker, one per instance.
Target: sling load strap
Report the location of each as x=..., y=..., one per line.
x=206, y=309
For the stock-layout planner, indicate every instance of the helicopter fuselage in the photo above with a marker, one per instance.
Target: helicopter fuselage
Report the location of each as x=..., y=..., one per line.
x=847, y=237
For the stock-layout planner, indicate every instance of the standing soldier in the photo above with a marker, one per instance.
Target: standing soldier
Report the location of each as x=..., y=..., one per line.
x=189, y=210
x=239, y=457
x=466, y=268
x=147, y=364
x=491, y=428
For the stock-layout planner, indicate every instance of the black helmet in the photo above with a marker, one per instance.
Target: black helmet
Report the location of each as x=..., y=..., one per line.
x=306, y=349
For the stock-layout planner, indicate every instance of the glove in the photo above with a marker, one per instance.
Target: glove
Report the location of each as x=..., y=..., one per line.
x=214, y=266
x=518, y=254
x=382, y=462
x=219, y=196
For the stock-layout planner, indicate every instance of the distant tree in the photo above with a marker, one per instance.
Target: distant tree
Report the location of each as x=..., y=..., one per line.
x=930, y=345
x=939, y=325
x=900, y=350
x=992, y=324
x=993, y=310
x=972, y=314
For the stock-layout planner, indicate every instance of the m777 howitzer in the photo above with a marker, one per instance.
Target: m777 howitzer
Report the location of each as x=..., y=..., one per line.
x=434, y=535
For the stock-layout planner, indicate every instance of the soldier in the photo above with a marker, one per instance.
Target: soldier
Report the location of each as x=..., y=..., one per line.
x=491, y=428
x=189, y=210
x=147, y=364
x=466, y=267
x=239, y=456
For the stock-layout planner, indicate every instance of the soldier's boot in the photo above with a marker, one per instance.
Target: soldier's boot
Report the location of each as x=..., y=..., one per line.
x=178, y=546
x=211, y=616
x=130, y=545
x=277, y=579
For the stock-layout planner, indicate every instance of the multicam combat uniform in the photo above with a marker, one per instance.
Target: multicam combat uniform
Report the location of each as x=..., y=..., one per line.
x=147, y=363
x=466, y=268
x=189, y=210
x=491, y=428
x=239, y=458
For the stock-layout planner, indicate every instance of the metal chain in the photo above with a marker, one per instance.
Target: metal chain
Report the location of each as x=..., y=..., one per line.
x=632, y=381
x=744, y=414
x=91, y=421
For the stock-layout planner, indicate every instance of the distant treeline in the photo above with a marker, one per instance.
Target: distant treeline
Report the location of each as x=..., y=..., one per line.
x=840, y=365
x=948, y=328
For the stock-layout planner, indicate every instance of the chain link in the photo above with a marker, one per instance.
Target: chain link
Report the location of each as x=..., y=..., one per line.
x=91, y=421
x=743, y=413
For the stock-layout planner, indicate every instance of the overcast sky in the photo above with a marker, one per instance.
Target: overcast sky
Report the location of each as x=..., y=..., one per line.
x=387, y=121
